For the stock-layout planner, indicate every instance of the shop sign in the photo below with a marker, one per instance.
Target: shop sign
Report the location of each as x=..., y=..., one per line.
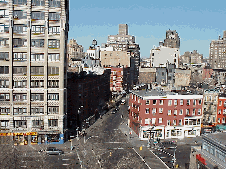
x=201, y=159
x=31, y=133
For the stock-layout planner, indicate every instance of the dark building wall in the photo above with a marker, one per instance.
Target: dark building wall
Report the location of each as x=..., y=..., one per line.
x=87, y=95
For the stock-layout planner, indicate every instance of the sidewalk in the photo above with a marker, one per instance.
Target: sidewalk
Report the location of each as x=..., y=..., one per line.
x=141, y=148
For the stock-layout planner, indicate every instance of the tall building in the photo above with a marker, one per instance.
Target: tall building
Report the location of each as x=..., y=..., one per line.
x=33, y=70
x=172, y=39
x=217, y=55
x=191, y=58
x=75, y=52
x=124, y=44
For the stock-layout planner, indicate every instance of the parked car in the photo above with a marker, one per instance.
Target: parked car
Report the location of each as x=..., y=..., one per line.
x=53, y=151
x=123, y=101
x=114, y=111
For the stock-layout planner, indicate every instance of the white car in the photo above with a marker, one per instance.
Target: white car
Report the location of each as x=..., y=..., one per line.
x=123, y=101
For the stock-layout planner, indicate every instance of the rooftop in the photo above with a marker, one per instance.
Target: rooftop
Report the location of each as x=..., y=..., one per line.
x=220, y=138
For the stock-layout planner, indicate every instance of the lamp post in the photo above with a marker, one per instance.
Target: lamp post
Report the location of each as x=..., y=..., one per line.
x=77, y=132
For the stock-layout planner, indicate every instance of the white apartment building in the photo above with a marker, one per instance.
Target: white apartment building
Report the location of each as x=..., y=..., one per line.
x=33, y=47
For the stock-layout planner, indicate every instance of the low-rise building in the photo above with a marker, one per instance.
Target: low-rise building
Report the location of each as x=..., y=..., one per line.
x=168, y=114
x=221, y=110
x=212, y=153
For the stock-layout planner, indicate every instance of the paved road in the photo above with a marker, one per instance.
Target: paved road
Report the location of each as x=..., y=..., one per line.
x=107, y=146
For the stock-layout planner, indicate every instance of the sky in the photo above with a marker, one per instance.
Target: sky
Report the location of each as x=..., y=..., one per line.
x=196, y=22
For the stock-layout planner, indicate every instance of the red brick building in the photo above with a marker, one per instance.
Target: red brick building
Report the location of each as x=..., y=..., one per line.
x=119, y=79
x=167, y=115
x=221, y=110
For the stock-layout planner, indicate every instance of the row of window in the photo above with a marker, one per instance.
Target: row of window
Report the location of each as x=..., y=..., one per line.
x=18, y=42
x=23, y=110
x=173, y=122
x=154, y=111
x=35, y=70
x=173, y=102
x=34, y=97
x=34, y=57
x=35, y=123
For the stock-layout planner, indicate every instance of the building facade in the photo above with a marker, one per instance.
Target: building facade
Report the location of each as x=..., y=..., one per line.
x=221, y=110
x=217, y=54
x=168, y=115
x=33, y=70
x=172, y=39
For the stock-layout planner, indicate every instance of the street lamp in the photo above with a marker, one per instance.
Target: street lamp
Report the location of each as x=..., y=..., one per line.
x=77, y=132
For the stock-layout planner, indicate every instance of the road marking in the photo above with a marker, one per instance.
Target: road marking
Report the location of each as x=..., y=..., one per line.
x=159, y=159
x=23, y=166
x=65, y=164
x=79, y=158
x=65, y=159
x=141, y=158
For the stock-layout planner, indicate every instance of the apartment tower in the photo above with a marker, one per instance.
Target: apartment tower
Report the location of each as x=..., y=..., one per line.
x=33, y=47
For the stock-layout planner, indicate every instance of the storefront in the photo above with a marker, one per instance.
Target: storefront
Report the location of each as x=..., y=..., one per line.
x=174, y=132
x=150, y=132
x=24, y=138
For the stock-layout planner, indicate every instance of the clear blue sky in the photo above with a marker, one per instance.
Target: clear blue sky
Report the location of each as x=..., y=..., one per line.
x=197, y=22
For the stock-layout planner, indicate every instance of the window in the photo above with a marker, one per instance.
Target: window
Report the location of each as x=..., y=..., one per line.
x=147, y=102
x=37, y=29
x=193, y=112
x=4, y=83
x=53, y=122
x=147, y=111
x=38, y=15
x=223, y=120
x=162, y=73
x=19, y=97
x=175, y=112
x=20, y=2
x=154, y=102
x=54, y=71
x=37, y=57
x=219, y=120
x=146, y=121
x=54, y=16
x=153, y=110
x=37, y=70
x=188, y=102
x=4, y=56
x=39, y=43
x=194, y=102
x=187, y=111
x=19, y=14
x=175, y=102
x=168, y=122
x=4, y=111
x=174, y=122
x=20, y=57
x=4, y=97
x=153, y=120
x=219, y=111
x=53, y=96
x=37, y=97
x=37, y=83
x=22, y=70
x=56, y=57
x=37, y=110
x=180, y=122
x=38, y=124
x=20, y=123
x=181, y=102
x=199, y=111
x=181, y=112
x=169, y=112
x=169, y=102
x=4, y=28
x=54, y=30
x=20, y=83
x=160, y=120
x=54, y=3
x=54, y=43
x=200, y=101
x=160, y=110
x=160, y=102
x=53, y=110
x=19, y=110
x=4, y=13
x=4, y=42
x=18, y=42
x=4, y=124
x=38, y=2
x=220, y=103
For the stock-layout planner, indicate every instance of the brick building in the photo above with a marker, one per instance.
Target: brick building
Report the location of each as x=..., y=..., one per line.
x=167, y=115
x=221, y=110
